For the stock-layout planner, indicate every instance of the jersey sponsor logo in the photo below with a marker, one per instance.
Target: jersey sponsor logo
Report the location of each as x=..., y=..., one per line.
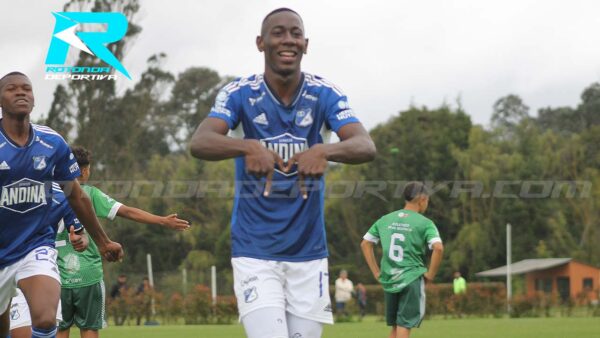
x=39, y=162
x=402, y=214
x=250, y=295
x=73, y=167
x=261, y=119
x=309, y=97
x=285, y=145
x=38, y=139
x=304, y=117
x=254, y=101
x=4, y=166
x=23, y=196
x=345, y=114
x=328, y=308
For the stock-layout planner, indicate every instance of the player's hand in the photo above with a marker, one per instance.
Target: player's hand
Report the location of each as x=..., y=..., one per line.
x=261, y=161
x=112, y=252
x=311, y=163
x=172, y=222
x=79, y=242
x=376, y=275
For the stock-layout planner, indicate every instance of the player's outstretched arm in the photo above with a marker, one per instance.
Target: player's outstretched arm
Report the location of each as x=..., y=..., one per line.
x=436, y=259
x=141, y=216
x=355, y=146
x=369, y=254
x=82, y=206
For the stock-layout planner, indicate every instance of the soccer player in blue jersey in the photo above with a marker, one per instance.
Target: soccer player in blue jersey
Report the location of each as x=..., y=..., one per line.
x=32, y=157
x=278, y=123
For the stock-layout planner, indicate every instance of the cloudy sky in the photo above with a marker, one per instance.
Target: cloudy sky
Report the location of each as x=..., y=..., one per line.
x=384, y=54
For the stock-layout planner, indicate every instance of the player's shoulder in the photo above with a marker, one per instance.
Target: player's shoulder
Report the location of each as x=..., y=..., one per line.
x=317, y=82
x=47, y=134
x=251, y=82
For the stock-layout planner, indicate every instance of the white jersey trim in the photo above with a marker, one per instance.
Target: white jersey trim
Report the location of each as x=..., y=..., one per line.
x=371, y=238
x=113, y=211
x=434, y=240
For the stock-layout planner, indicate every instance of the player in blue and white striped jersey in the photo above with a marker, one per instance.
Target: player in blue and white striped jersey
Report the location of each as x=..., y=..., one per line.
x=31, y=158
x=278, y=124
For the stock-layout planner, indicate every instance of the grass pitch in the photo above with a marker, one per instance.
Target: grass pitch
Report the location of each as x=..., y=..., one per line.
x=371, y=328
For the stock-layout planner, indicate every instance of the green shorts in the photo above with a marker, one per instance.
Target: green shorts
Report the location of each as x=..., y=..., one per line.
x=407, y=307
x=83, y=307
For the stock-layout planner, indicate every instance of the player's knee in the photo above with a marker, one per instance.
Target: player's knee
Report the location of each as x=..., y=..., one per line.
x=45, y=320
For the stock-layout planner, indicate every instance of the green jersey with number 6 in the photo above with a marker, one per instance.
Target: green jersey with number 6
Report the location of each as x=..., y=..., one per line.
x=79, y=269
x=404, y=236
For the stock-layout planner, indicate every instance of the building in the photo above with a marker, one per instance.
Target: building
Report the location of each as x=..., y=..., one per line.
x=563, y=277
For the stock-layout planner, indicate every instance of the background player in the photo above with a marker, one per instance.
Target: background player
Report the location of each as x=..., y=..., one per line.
x=31, y=158
x=404, y=234
x=20, y=320
x=279, y=122
x=83, y=291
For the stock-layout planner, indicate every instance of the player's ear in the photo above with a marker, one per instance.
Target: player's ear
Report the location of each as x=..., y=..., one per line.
x=260, y=44
x=305, y=46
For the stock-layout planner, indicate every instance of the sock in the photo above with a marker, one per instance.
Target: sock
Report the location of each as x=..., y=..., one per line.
x=43, y=333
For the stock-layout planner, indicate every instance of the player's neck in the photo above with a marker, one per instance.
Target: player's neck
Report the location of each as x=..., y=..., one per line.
x=411, y=207
x=17, y=128
x=283, y=86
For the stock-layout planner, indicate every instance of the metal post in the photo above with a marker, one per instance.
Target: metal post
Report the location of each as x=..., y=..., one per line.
x=213, y=284
x=508, y=268
x=151, y=280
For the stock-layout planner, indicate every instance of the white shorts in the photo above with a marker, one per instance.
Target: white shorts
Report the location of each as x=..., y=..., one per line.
x=40, y=261
x=300, y=288
x=19, y=312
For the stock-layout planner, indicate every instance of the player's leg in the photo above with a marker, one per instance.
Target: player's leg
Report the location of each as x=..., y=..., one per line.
x=5, y=322
x=39, y=281
x=258, y=286
x=7, y=292
x=411, y=308
x=302, y=327
x=307, y=295
x=393, y=332
x=67, y=313
x=20, y=321
x=267, y=322
x=89, y=309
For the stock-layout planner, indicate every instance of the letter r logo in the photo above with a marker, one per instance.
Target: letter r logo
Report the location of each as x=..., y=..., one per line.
x=93, y=43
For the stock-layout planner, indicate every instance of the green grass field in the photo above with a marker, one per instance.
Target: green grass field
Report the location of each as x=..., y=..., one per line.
x=370, y=328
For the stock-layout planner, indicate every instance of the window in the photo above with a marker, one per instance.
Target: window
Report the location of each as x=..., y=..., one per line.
x=588, y=284
x=543, y=285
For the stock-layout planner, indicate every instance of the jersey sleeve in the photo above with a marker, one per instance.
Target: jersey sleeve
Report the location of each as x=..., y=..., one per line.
x=373, y=234
x=104, y=205
x=227, y=105
x=432, y=234
x=338, y=111
x=66, y=167
x=70, y=219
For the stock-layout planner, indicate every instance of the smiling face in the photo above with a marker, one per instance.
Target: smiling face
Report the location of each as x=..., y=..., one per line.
x=283, y=42
x=16, y=96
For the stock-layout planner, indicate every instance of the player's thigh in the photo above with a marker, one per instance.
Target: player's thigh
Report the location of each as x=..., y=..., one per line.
x=257, y=284
x=307, y=290
x=391, y=301
x=19, y=313
x=89, y=306
x=301, y=327
x=8, y=286
x=39, y=280
x=266, y=322
x=411, y=305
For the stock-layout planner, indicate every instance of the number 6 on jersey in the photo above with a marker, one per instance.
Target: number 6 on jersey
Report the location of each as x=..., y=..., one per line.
x=396, y=253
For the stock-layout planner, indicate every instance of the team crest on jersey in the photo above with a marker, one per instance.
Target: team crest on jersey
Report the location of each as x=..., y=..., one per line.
x=250, y=295
x=72, y=264
x=39, y=162
x=304, y=117
x=285, y=145
x=23, y=196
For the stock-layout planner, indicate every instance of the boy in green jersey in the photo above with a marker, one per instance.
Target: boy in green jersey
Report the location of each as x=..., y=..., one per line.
x=404, y=235
x=82, y=293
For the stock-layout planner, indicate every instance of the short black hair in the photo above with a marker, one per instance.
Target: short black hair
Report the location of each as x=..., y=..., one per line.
x=10, y=74
x=275, y=11
x=414, y=189
x=82, y=155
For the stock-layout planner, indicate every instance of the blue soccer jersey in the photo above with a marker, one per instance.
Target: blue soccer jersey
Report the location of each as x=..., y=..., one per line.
x=283, y=226
x=26, y=176
x=61, y=215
